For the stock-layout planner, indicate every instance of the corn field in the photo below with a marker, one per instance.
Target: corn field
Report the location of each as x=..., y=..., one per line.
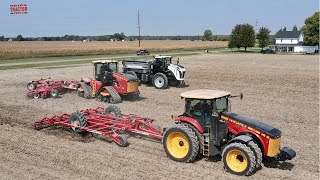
x=27, y=49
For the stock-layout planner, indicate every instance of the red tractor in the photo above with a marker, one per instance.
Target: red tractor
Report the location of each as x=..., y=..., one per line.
x=207, y=128
x=108, y=84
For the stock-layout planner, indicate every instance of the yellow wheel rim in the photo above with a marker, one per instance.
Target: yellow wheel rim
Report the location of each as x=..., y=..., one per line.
x=177, y=145
x=236, y=161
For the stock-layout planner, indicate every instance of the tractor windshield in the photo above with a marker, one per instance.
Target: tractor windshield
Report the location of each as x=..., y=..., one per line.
x=113, y=66
x=221, y=104
x=199, y=109
x=101, y=68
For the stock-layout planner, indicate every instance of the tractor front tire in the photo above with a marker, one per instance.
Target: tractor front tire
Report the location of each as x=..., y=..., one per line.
x=160, y=81
x=78, y=120
x=239, y=159
x=180, y=143
x=114, y=110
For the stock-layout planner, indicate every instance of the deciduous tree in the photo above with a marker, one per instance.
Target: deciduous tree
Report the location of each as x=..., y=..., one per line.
x=207, y=35
x=263, y=37
x=311, y=29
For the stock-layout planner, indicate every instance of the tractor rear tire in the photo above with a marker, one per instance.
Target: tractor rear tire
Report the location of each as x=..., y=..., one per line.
x=160, y=81
x=78, y=120
x=31, y=86
x=113, y=109
x=199, y=138
x=257, y=153
x=180, y=143
x=54, y=93
x=238, y=159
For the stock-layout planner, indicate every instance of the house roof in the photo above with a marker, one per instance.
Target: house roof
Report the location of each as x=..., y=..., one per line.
x=287, y=34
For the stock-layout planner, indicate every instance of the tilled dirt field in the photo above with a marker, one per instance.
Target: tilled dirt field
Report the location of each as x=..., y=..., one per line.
x=281, y=90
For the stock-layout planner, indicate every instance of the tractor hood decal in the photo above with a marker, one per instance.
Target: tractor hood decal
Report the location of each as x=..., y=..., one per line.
x=251, y=123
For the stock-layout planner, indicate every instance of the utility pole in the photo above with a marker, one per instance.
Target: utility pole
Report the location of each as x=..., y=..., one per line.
x=257, y=23
x=139, y=27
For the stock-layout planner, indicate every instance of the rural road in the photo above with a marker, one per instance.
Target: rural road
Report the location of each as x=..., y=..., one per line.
x=89, y=59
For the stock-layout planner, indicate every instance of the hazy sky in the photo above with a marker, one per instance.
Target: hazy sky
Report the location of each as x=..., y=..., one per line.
x=161, y=17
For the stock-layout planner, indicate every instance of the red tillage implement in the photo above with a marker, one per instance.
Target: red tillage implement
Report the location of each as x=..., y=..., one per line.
x=47, y=87
x=105, y=122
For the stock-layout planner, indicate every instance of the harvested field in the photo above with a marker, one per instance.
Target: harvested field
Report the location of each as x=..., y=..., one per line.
x=67, y=48
x=281, y=90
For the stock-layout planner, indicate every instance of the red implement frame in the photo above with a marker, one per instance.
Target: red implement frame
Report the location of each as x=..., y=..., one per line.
x=106, y=125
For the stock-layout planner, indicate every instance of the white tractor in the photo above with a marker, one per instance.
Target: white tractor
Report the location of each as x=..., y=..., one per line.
x=160, y=71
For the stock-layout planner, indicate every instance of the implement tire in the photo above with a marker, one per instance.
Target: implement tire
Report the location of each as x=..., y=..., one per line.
x=114, y=110
x=180, y=143
x=238, y=159
x=78, y=120
x=31, y=86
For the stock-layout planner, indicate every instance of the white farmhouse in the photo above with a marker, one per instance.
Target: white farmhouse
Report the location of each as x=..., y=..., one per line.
x=292, y=41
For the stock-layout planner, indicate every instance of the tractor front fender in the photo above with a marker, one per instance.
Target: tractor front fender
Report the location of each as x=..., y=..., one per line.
x=241, y=138
x=191, y=121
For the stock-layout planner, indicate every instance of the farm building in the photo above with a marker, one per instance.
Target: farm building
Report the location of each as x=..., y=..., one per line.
x=292, y=41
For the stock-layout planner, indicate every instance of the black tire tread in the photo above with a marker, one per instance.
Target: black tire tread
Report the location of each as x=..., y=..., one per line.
x=257, y=152
x=165, y=78
x=113, y=109
x=115, y=97
x=199, y=137
x=123, y=141
x=79, y=116
x=189, y=132
x=247, y=150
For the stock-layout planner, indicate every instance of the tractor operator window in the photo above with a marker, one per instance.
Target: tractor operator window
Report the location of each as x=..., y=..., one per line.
x=221, y=104
x=99, y=69
x=200, y=109
x=113, y=66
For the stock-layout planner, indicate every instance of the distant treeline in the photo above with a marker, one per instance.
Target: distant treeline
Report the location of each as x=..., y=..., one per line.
x=114, y=37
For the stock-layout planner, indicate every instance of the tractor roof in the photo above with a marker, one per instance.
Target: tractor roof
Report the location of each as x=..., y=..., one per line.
x=104, y=61
x=162, y=56
x=204, y=94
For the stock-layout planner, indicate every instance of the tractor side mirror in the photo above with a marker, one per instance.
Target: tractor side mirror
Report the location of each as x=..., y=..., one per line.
x=241, y=96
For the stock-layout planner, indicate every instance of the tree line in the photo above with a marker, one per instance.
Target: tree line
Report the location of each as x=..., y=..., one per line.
x=116, y=37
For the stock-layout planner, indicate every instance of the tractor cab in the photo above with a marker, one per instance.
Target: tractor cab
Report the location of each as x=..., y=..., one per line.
x=162, y=62
x=102, y=69
x=202, y=105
